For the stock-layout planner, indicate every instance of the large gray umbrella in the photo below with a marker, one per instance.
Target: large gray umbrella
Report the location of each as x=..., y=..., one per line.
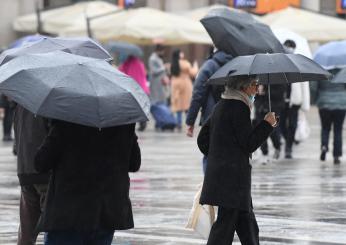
x=238, y=33
x=73, y=88
x=80, y=46
x=271, y=69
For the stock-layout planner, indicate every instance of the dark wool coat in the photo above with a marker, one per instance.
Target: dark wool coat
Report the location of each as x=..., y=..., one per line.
x=89, y=186
x=228, y=139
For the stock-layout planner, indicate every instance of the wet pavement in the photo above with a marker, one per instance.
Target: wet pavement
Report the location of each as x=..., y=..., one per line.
x=300, y=201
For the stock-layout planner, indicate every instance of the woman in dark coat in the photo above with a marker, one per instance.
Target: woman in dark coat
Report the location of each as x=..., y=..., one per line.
x=228, y=140
x=88, y=194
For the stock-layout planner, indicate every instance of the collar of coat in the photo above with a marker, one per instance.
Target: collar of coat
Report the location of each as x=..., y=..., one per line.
x=232, y=94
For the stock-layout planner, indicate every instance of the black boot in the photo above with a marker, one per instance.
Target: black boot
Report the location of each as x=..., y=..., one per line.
x=323, y=153
x=336, y=160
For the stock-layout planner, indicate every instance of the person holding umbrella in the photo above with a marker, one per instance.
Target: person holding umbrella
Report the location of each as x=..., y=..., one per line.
x=228, y=140
x=330, y=98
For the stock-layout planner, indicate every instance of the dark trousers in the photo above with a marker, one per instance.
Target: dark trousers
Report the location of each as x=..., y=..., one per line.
x=8, y=120
x=231, y=220
x=288, y=124
x=30, y=208
x=275, y=135
x=79, y=238
x=329, y=118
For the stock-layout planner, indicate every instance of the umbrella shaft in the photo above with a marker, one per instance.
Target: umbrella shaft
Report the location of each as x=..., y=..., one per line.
x=270, y=105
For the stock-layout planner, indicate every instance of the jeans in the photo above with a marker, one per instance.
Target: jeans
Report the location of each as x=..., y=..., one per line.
x=79, y=238
x=204, y=162
x=179, y=118
x=288, y=124
x=30, y=208
x=329, y=118
x=234, y=220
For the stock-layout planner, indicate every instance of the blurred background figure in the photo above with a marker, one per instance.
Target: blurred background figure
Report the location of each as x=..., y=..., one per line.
x=9, y=107
x=330, y=99
x=134, y=67
x=159, y=82
x=181, y=84
x=262, y=108
x=297, y=97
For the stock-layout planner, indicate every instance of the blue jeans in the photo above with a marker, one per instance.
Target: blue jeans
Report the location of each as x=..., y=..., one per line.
x=78, y=238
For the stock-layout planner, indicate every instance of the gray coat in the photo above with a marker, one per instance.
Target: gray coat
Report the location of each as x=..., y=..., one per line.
x=157, y=71
x=30, y=132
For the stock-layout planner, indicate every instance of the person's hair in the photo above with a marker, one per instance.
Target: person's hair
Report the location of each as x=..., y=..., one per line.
x=175, y=66
x=241, y=82
x=159, y=47
x=290, y=43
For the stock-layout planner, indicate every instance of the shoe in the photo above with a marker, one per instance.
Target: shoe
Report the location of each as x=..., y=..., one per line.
x=288, y=155
x=323, y=153
x=276, y=154
x=265, y=160
x=336, y=160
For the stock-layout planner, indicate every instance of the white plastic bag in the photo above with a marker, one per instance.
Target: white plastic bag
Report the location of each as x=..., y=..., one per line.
x=201, y=217
x=303, y=129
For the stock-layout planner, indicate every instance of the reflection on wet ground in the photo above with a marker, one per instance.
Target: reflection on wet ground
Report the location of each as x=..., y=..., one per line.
x=300, y=201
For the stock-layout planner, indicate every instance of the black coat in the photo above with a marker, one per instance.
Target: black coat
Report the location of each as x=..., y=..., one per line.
x=228, y=140
x=89, y=186
x=30, y=132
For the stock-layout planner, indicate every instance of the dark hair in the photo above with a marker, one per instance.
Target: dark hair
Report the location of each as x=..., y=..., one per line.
x=290, y=43
x=159, y=47
x=175, y=66
x=241, y=82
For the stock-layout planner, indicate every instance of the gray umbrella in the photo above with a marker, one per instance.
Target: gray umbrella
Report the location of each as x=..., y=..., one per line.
x=75, y=89
x=238, y=33
x=80, y=46
x=271, y=69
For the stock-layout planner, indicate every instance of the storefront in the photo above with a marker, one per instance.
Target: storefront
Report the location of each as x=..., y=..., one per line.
x=263, y=6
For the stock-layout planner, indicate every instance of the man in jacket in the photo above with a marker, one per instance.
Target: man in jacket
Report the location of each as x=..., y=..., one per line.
x=30, y=131
x=204, y=96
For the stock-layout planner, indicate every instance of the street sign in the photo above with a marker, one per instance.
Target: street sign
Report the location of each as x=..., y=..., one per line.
x=245, y=3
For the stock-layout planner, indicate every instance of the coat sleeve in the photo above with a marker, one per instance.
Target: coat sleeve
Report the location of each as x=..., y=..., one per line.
x=49, y=153
x=135, y=159
x=204, y=137
x=200, y=91
x=247, y=137
x=156, y=66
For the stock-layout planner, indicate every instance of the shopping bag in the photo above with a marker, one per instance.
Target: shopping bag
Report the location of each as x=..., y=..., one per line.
x=303, y=129
x=201, y=217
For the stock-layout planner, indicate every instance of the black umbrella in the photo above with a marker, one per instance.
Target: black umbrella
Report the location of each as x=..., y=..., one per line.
x=82, y=46
x=271, y=69
x=73, y=88
x=238, y=33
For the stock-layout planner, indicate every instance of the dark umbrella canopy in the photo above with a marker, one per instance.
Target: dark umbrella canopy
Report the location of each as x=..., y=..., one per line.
x=79, y=46
x=75, y=89
x=271, y=69
x=238, y=33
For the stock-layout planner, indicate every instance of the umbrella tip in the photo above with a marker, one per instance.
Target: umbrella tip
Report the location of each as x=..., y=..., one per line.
x=80, y=63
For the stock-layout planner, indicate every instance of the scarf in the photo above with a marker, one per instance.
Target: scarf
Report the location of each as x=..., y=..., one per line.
x=232, y=94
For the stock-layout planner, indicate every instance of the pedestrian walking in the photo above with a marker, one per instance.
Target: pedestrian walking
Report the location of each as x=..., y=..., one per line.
x=134, y=67
x=88, y=195
x=159, y=82
x=204, y=97
x=181, y=84
x=228, y=140
x=297, y=97
x=330, y=99
x=262, y=108
x=7, y=122
x=30, y=131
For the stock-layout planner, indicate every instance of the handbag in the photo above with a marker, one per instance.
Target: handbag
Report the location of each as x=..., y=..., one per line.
x=303, y=130
x=201, y=217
